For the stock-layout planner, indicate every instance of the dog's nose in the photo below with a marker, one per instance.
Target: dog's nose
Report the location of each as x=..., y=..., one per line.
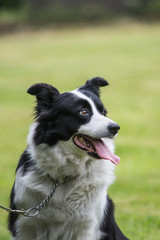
x=113, y=128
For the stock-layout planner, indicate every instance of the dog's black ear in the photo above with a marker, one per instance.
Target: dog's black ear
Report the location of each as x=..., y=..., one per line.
x=45, y=95
x=94, y=84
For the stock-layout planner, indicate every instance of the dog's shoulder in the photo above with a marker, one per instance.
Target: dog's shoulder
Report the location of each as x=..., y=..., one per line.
x=25, y=162
x=24, y=165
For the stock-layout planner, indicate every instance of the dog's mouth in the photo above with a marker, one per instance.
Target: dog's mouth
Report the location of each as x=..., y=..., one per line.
x=95, y=147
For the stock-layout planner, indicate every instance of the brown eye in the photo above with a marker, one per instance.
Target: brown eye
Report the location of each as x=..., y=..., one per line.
x=104, y=113
x=84, y=112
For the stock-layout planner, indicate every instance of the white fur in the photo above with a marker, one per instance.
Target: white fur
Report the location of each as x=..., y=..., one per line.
x=77, y=207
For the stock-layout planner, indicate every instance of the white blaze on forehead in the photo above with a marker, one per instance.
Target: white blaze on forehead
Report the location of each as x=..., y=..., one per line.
x=97, y=127
x=83, y=96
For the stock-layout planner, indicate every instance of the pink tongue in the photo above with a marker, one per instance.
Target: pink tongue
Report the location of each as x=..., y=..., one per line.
x=104, y=152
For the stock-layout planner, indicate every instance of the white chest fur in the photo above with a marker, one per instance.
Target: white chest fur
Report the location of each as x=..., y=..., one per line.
x=76, y=210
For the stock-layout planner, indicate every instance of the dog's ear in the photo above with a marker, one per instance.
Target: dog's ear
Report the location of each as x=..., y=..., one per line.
x=45, y=95
x=94, y=84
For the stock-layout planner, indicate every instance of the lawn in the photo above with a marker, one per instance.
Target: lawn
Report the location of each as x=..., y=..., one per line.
x=128, y=56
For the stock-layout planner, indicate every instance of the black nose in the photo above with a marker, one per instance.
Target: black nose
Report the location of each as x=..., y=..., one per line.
x=113, y=129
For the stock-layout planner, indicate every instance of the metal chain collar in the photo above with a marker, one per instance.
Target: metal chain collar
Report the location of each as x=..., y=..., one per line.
x=32, y=212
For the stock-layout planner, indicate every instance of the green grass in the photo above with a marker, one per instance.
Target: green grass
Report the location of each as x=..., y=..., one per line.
x=127, y=55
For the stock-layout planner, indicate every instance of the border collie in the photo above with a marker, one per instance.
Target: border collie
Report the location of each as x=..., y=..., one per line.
x=70, y=143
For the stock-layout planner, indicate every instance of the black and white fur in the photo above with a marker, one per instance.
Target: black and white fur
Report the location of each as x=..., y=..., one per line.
x=80, y=208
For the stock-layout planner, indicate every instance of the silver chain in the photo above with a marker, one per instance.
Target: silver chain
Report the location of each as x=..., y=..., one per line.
x=32, y=212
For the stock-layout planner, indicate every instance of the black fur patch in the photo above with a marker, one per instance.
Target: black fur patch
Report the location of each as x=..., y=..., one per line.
x=45, y=95
x=94, y=84
x=12, y=216
x=25, y=162
x=109, y=226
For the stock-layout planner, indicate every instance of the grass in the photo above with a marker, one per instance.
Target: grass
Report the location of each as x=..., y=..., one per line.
x=127, y=55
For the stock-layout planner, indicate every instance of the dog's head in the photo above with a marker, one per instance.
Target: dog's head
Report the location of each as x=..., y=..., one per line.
x=75, y=120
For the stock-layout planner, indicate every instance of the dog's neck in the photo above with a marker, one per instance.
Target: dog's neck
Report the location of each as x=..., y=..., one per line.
x=63, y=179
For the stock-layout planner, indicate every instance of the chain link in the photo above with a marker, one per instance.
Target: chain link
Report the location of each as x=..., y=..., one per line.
x=48, y=198
x=34, y=211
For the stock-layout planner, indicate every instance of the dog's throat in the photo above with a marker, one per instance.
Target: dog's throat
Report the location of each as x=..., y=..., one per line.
x=95, y=147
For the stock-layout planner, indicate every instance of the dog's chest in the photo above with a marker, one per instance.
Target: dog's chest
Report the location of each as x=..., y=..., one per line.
x=77, y=217
x=75, y=214
x=80, y=202
x=75, y=211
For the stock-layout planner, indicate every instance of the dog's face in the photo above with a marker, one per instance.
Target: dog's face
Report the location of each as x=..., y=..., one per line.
x=77, y=120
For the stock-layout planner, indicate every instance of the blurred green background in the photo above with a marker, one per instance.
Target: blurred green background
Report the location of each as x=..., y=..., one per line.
x=123, y=50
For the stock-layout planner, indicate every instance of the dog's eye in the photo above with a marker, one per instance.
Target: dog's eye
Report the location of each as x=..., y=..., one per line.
x=103, y=112
x=84, y=112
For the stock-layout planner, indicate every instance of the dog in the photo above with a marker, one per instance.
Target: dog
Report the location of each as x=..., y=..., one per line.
x=70, y=143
